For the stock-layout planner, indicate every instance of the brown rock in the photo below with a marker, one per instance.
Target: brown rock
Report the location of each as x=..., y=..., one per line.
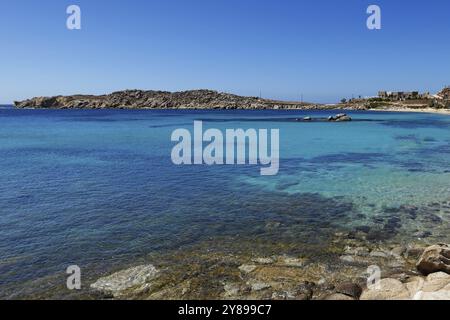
x=387, y=289
x=434, y=259
x=338, y=296
x=350, y=289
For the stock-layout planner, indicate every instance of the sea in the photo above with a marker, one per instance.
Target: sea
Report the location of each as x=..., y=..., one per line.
x=98, y=188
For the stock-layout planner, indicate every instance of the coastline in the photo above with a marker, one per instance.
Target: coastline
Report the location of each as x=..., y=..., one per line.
x=419, y=110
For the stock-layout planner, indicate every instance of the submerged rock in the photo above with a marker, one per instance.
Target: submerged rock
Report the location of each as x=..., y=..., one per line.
x=263, y=260
x=259, y=286
x=247, y=268
x=118, y=283
x=434, y=259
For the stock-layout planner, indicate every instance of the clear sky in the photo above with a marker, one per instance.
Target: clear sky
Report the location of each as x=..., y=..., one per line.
x=319, y=48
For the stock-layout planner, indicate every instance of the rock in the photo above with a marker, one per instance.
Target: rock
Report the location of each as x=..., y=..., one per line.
x=434, y=259
x=247, y=268
x=354, y=260
x=398, y=251
x=116, y=284
x=435, y=286
x=303, y=292
x=283, y=295
x=348, y=259
x=263, y=260
x=423, y=234
x=258, y=286
x=387, y=289
x=359, y=251
x=293, y=262
x=349, y=289
x=340, y=117
x=338, y=297
x=272, y=225
x=379, y=254
x=231, y=290
x=414, y=252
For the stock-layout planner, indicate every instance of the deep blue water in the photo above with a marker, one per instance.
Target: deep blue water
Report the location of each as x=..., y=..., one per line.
x=97, y=188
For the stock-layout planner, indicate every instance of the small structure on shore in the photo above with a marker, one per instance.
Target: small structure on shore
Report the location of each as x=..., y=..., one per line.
x=402, y=95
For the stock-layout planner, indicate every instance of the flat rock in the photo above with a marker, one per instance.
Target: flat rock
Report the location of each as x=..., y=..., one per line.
x=258, y=286
x=247, y=268
x=387, y=289
x=293, y=262
x=379, y=254
x=398, y=251
x=117, y=283
x=263, y=260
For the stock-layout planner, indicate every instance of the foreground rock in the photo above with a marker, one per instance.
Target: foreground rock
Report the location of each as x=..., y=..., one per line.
x=117, y=284
x=434, y=259
x=138, y=99
x=434, y=287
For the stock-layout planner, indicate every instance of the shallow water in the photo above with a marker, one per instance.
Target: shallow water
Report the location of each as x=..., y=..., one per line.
x=98, y=188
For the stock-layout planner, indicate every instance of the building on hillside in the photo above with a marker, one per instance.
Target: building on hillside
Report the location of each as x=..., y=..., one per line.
x=401, y=95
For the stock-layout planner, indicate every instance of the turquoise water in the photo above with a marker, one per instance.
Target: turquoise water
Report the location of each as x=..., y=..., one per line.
x=98, y=188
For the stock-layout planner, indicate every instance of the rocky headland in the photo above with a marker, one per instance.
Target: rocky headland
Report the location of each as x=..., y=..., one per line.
x=209, y=99
x=138, y=99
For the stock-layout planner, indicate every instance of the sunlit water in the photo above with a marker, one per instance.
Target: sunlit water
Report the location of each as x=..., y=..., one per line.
x=98, y=188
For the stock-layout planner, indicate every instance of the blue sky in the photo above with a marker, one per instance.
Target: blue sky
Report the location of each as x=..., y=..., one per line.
x=318, y=48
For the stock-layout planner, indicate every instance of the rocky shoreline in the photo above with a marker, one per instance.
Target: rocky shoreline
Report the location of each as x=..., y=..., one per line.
x=335, y=267
x=408, y=273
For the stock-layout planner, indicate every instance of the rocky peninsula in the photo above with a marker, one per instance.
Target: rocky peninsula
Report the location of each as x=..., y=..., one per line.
x=209, y=99
x=138, y=99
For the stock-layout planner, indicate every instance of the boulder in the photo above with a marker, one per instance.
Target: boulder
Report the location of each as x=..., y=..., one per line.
x=338, y=297
x=340, y=117
x=387, y=289
x=349, y=289
x=434, y=259
x=118, y=283
x=435, y=286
